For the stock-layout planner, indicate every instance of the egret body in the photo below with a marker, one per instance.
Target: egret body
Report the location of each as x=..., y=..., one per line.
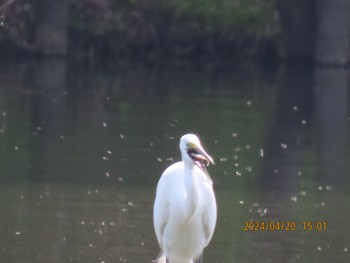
x=184, y=214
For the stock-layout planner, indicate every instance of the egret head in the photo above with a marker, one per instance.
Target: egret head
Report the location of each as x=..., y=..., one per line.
x=193, y=152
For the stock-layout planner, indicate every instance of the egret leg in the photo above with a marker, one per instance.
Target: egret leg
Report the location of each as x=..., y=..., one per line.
x=200, y=259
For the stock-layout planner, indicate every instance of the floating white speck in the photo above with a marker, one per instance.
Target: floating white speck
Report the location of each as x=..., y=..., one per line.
x=238, y=173
x=16, y=148
x=236, y=164
x=284, y=146
x=120, y=179
x=159, y=159
x=262, y=211
x=105, y=158
x=323, y=204
x=247, y=147
x=130, y=203
x=235, y=135
x=109, y=152
x=294, y=198
x=320, y=188
x=17, y=233
x=346, y=249
x=329, y=188
x=303, y=193
x=249, y=103
x=223, y=159
x=235, y=157
x=261, y=153
x=299, y=173
x=4, y=114
x=319, y=248
x=62, y=137
x=108, y=174
x=248, y=168
x=241, y=202
x=295, y=108
x=303, y=122
x=275, y=171
x=122, y=136
x=151, y=144
x=104, y=125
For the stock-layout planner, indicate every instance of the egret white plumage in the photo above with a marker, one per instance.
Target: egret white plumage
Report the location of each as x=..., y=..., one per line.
x=184, y=213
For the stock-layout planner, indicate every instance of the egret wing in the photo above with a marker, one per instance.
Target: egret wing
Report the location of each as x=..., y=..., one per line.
x=160, y=212
x=209, y=215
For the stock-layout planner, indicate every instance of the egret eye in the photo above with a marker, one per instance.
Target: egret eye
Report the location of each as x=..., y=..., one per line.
x=190, y=145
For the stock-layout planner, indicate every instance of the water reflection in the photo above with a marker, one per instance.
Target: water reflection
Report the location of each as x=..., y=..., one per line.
x=331, y=117
x=81, y=150
x=291, y=171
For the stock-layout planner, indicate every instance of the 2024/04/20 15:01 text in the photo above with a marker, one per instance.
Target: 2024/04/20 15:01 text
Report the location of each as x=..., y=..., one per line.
x=284, y=225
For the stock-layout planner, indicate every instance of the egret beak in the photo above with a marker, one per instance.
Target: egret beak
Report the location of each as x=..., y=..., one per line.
x=200, y=156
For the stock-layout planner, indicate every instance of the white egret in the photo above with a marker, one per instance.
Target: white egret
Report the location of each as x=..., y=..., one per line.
x=184, y=213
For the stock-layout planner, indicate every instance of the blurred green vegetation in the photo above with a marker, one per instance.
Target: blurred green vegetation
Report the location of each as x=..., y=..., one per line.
x=252, y=17
x=148, y=28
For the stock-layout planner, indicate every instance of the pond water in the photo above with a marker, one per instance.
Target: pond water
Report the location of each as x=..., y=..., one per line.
x=82, y=149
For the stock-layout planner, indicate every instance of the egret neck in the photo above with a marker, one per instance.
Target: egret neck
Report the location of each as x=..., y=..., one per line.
x=191, y=186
